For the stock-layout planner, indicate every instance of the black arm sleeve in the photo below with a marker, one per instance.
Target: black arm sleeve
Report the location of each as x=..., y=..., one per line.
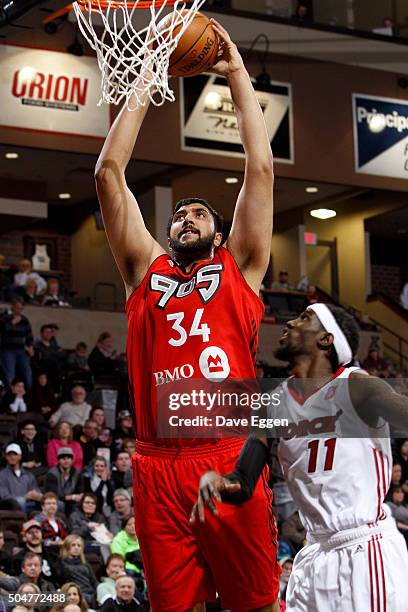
x=251, y=461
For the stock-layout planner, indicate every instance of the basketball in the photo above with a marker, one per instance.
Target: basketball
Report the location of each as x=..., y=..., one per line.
x=197, y=49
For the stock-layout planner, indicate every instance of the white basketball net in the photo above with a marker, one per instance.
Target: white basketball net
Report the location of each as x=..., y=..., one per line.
x=133, y=62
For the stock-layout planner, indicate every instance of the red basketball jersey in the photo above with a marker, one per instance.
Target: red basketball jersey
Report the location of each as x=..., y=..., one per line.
x=202, y=324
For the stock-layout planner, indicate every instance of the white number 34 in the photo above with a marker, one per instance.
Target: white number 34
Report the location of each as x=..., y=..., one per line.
x=197, y=328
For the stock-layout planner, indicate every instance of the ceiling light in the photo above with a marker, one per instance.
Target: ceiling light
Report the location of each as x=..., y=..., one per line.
x=377, y=123
x=11, y=155
x=312, y=189
x=323, y=213
x=231, y=180
x=64, y=196
x=212, y=100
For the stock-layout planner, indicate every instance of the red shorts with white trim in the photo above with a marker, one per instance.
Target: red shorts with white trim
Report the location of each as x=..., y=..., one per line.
x=357, y=570
x=232, y=554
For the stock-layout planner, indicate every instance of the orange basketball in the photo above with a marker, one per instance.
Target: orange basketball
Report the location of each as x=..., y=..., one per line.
x=197, y=49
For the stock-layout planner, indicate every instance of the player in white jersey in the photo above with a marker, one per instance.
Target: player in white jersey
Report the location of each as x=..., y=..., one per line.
x=336, y=458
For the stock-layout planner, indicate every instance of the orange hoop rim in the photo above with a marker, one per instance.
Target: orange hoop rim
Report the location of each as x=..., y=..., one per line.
x=117, y=4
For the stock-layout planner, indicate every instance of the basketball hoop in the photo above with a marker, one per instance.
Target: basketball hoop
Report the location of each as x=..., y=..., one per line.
x=134, y=62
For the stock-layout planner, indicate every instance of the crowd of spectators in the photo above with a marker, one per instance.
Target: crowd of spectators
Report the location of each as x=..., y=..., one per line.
x=66, y=520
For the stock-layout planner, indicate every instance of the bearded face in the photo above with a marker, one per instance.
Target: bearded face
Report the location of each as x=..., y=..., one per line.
x=192, y=233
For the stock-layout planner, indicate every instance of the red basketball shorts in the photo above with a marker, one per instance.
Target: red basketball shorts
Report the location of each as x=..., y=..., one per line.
x=232, y=554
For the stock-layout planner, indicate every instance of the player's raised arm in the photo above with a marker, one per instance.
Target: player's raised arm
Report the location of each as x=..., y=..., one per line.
x=133, y=247
x=250, y=238
x=373, y=398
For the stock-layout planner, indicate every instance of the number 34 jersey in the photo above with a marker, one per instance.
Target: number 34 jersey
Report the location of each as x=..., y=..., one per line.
x=198, y=325
x=338, y=469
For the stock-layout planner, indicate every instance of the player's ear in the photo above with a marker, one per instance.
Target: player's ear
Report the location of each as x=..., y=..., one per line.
x=218, y=239
x=325, y=340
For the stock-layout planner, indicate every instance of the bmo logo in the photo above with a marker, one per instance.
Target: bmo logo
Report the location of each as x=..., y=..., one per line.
x=168, y=376
x=214, y=364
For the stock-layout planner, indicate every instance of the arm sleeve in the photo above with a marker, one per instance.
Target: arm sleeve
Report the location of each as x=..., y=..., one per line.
x=78, y=525
x=251, y=461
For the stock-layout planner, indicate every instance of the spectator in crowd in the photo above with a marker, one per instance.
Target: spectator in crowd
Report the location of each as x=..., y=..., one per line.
x=374, y=363
x=294, y=532
x=5, y=558
x=29, y=588
x=18, y=487
x=32, y=448
x=122, y=503
x=75, y=568
x=404, y=296
x=403, y=459
x=312, y=297
x=286, y=564
x=16, y=343
x=122, y=471
x=76, y=412
x=103, y=359
x=52, y=296
x=399, y=510
x=124, y=428
x=74, y=596
x=100, y=484
x=48, y=356
x=53, y=529
x=29, y=292
x=43, y=398
x=115, y=567
x=302, y=13
x=125, y=600
x=86, y=518
x=65, y=481
x=33, y=542
x=396, y=475
x=105, y=437
x=63, y=438
x=97, y=414
x=15, y=400
x=283, y=283
x=89, y=441
x=129, y=445
x=125, y=543
x=25, y=273
x=78, y=360
x=30, y=573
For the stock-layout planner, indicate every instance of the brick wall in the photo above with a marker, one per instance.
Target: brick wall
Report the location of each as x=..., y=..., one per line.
x=386, y=279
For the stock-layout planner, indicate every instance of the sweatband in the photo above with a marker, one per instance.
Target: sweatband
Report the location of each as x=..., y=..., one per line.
x=251, y=461
x=343, y=350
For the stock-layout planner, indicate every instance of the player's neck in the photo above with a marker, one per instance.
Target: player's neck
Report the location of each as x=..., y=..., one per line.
x=187, y=264
x=311, y=372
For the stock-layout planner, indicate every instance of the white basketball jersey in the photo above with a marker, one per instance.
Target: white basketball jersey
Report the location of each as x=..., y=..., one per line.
x=337, y=482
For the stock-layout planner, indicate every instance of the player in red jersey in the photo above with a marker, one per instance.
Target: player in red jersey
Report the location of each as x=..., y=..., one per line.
x=195, y=314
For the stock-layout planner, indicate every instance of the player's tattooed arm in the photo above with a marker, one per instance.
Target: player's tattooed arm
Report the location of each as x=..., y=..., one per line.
x=373, y=398
x=237, y=486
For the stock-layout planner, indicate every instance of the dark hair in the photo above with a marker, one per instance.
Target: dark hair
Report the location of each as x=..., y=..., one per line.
x=218, y=219
x=114, y=556
x=17, y=380
x=85, y=495
x=349, y=327
x=126, y=520
x=28, y=556
x=81, y=345
x=93, y=411
x=17, y=300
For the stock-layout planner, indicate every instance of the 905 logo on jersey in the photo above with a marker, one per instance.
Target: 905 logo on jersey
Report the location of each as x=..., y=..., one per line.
x=206, y=281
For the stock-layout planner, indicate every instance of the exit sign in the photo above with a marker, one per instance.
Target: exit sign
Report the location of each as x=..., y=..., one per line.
x=310, y=238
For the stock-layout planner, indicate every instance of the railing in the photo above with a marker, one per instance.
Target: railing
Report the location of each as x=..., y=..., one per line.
x=387, y=18
x=399, y=348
